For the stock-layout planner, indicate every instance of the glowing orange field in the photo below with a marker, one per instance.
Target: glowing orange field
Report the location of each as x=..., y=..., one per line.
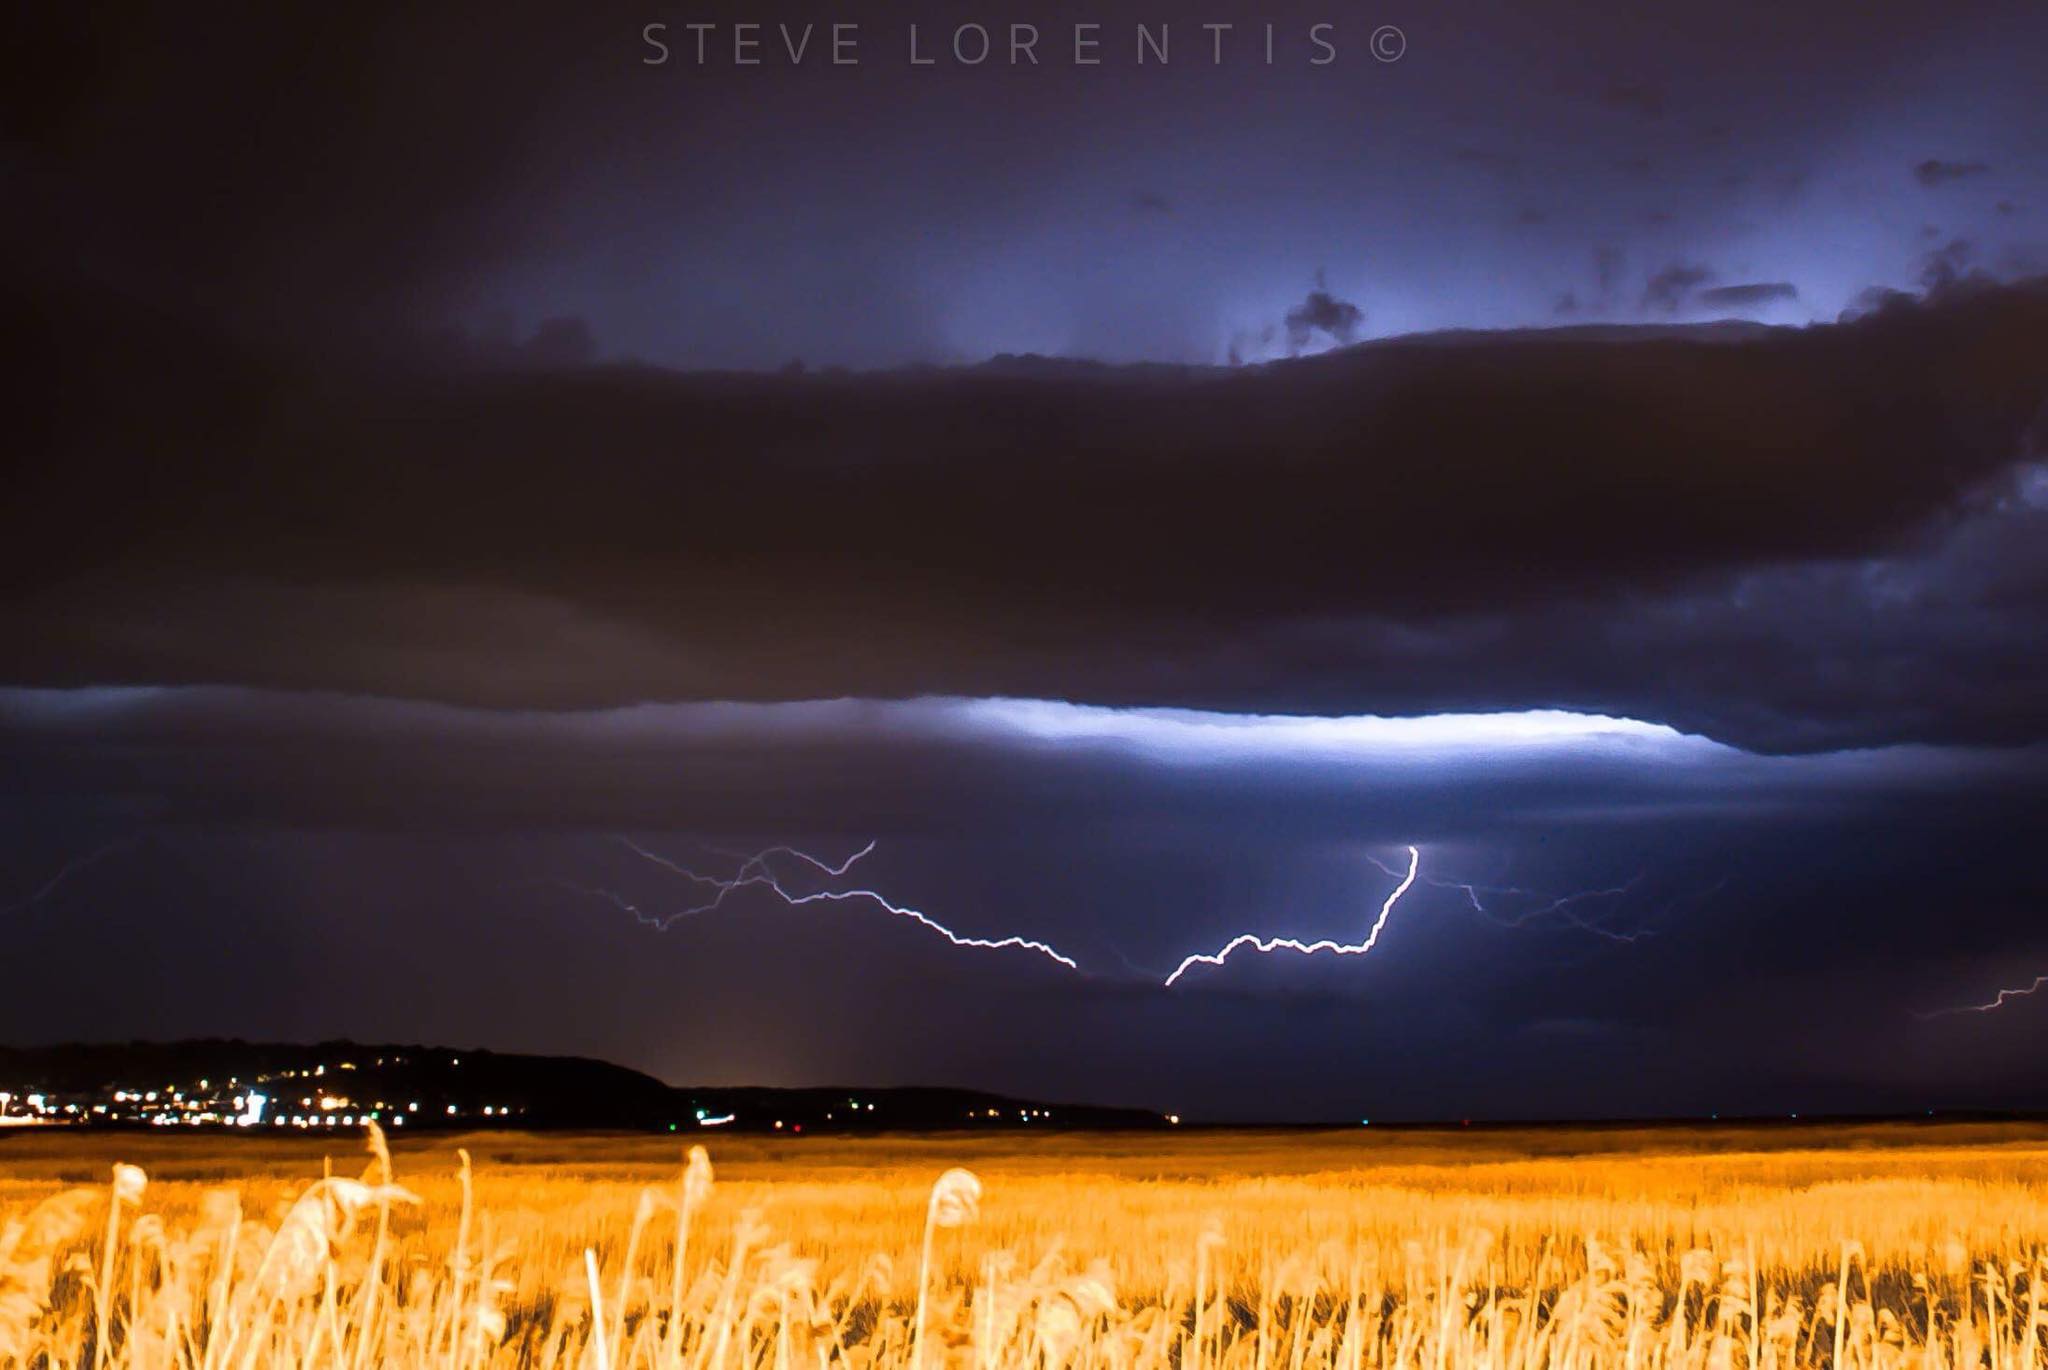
x=1873, y=1245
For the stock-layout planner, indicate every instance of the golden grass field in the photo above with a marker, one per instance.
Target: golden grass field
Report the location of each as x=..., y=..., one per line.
x=1877, y=1245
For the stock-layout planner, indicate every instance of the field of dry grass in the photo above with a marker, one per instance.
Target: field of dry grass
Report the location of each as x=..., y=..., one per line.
x=1880, y=1246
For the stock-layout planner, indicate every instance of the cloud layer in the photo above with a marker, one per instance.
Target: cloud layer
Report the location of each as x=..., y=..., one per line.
x=605, y=536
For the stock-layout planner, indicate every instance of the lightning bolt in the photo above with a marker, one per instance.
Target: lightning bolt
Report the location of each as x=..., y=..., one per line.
x=1996, y=1001
x=758, y=869
x=755, y=870
x=1563, y=908
x=612, y=897
x=1270, y=944
x=64, y=874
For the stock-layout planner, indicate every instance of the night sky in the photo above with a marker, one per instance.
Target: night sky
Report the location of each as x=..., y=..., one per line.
x=477, y=465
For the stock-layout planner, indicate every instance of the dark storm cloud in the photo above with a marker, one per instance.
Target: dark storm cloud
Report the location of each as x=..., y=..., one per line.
x=1934, y=172
x=355, y=198
x=1607, y=267
x=1952, y=264
x=1044, y=529
x=1937, y=639
x=419, y=168
x=424, y=168
x=1671, y=289
x=1337, y=320
x=1749, y=294
x=1942, y=272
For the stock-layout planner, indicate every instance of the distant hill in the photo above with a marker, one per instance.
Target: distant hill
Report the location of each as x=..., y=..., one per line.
x=214, y=1081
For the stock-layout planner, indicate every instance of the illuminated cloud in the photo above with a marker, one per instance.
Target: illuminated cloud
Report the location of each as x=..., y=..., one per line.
x=1156, y=735
x=882, y=767
x=1749, y=295
x=1194, y=736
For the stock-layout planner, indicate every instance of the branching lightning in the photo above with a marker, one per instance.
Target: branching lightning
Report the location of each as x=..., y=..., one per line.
x=1271, y=944
x=770, y=868
x=1565, y=910
x=755, y=869
x=1562, y=910
x=1996, y=1001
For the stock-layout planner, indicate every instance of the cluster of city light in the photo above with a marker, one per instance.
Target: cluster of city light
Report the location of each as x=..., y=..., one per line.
x=1024, y=1115
x=335, y=1119
x=27, y=1109
x=205, y=1103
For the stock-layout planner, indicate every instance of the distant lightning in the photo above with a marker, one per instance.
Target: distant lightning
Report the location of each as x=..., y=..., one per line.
x=615, y=899
x=1470, y=891
x=1996, y=1001
x=758, y=869
x=63, y=875
x=1270, y=944
x=755, y=870
x=1149, y=974
x=1563, y=908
